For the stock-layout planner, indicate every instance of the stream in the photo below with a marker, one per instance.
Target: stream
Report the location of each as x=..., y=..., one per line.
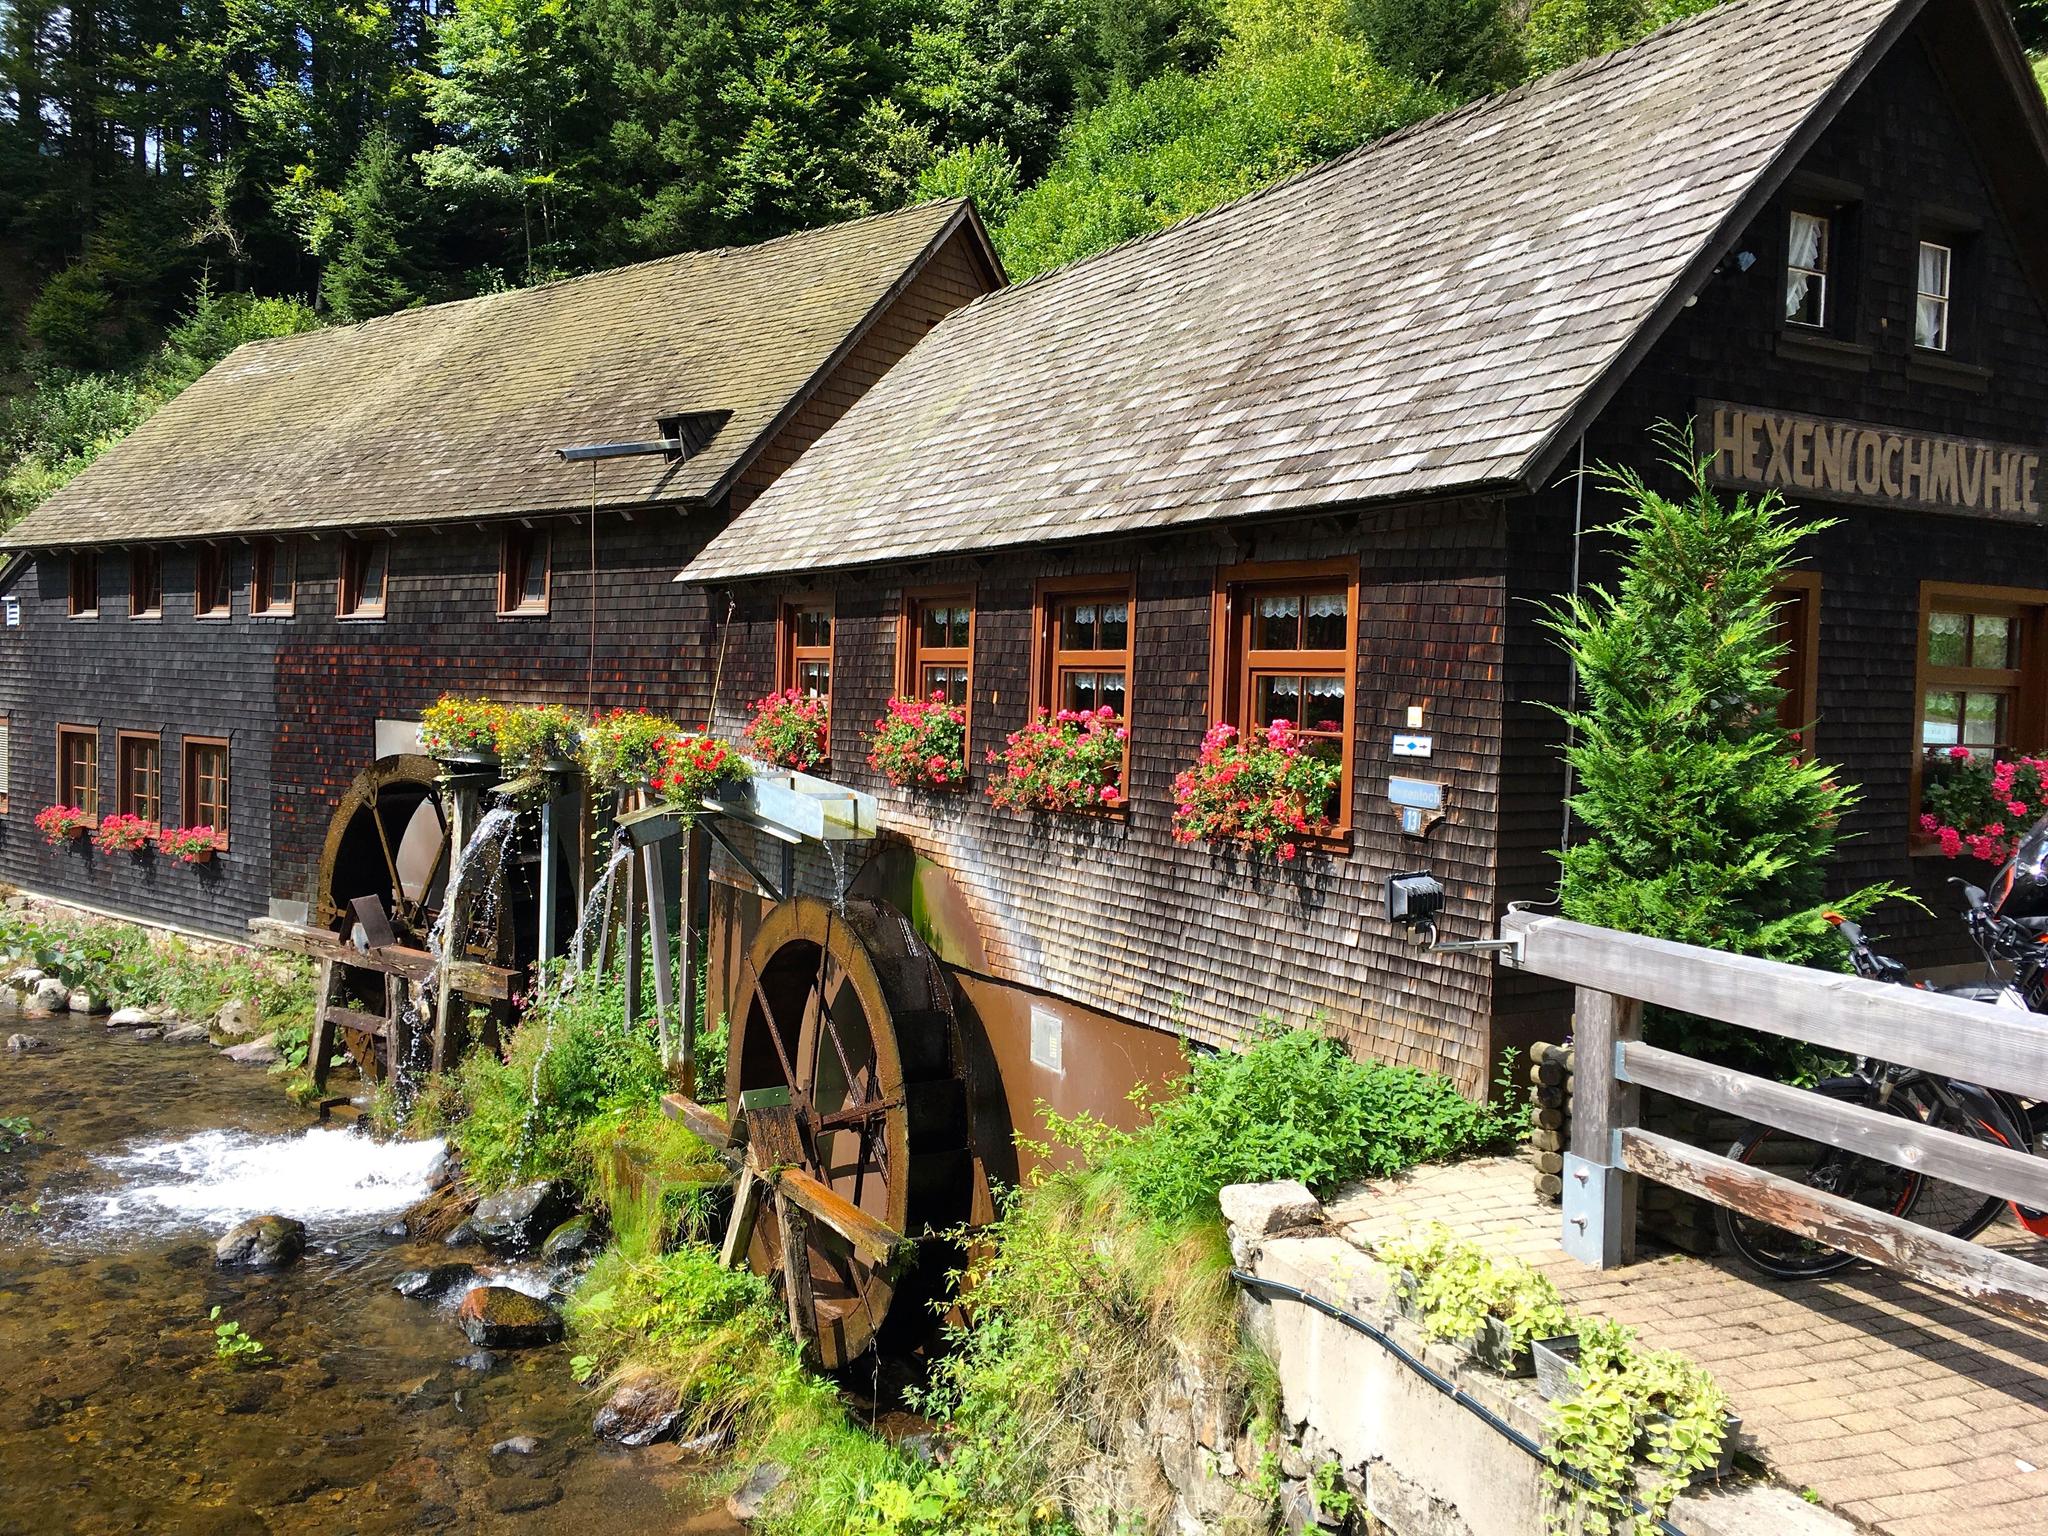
x=376, y=1414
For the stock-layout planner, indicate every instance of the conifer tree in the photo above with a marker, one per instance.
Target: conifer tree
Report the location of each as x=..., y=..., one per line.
x=1696, y=817
x=376, y=267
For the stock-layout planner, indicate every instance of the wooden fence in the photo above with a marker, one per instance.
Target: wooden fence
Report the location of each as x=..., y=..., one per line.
x=1615, y=974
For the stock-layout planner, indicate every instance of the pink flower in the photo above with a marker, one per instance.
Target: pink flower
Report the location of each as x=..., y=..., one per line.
x=1929, y=823
x=1951, y=841
x=1959, y=754
x=2016, y=807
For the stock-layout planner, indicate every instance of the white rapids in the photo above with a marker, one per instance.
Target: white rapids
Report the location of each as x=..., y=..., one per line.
x=216, y=1178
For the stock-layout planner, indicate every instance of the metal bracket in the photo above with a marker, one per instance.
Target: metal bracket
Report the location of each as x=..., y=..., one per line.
x=761, y=881
x=1509, y=949
x=1592, y=1212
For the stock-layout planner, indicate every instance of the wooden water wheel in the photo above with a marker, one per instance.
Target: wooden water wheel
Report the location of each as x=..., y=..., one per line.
x=846, y=1098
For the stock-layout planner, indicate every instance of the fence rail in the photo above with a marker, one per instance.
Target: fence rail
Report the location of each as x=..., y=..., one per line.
x=1615, y=974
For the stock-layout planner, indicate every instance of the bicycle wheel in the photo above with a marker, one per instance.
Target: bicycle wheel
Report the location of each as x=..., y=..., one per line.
x=1953, y=1208
x=1880, y=1185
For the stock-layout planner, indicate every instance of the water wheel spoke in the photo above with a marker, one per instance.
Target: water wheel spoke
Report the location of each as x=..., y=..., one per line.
x=773, y=1028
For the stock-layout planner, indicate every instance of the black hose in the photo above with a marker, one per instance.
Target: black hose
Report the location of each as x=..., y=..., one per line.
x=1442, y=1383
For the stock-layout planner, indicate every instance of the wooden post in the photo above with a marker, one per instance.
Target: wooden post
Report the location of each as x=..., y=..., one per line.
x=321, y=1046
x=657, y=932
x=747, y=1195
x=796, y=1274
x=1599, y=1192
x=696, y=925
x=550, y=875
x=397, y=1042
x=630, y=937
x=461, y=822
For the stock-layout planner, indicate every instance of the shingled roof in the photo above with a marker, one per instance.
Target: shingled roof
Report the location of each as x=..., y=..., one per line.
x=456, y=410
x=1426, y=314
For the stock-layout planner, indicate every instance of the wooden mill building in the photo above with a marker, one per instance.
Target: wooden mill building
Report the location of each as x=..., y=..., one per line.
x=1352, y=405
x=328, y=531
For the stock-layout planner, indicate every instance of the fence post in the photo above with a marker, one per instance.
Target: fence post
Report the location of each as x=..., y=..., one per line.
x=1599, y=1195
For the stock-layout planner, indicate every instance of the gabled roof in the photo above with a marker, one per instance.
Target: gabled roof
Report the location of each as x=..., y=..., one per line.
x=456, y=410
x=1429, y=313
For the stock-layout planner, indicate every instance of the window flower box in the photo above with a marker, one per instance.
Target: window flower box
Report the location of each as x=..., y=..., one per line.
x=1972, y=806
x=189, y=845
x=1265, y=792
x=921, y=744
x=1069, y=761
x=790, y=729
x=540, y=739
x=691, y=767
x=462, y=731
x=123, y=834
x=622, y=748
x=61, y=824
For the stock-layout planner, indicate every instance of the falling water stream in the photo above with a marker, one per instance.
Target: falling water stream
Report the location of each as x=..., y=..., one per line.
x=376, y=1414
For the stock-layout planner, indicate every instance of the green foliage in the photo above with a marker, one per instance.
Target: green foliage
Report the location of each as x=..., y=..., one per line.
x=17, y=1131
x=1699, y=822
x=1294, y=1106
x=232, y=1347
x=1466, y=47
x=1459, y=1285
x=1562, y=32
x=378, y=230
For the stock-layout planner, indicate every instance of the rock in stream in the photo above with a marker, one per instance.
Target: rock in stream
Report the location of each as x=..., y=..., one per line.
x=498, y=1317
x=517, y=1220
x=261, y=1242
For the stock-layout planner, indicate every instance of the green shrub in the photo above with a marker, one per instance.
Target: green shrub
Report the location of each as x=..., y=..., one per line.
x=1295, y=1106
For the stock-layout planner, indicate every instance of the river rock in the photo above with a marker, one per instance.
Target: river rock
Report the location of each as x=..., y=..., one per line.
x=477, y=1360
x=260, y=1052
x=185, y=1034
x=261, y=1242
x=498, y=1317
x=130, y=1018
x=517, y=1445
x=516, y=1220
x=152, y=1032
x=644, y=1409
x=24, y=978
x=26, y=1042
x=81, y=1000
x=763, y=1495
x=575, y=1239
x=238, y=1020
x=50, y=995
x=427, y=1284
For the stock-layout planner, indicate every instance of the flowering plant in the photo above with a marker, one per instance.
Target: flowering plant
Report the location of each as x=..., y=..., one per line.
x=458, y=727
x=1264, y=791
x=1069, y=761
x=622, y=747
x=692, y=766
x=921, y=742
x=789, y=728
x=1970, y=805
x=122, y=834
x=60, y=823
x=189, y=845
x=531, y=737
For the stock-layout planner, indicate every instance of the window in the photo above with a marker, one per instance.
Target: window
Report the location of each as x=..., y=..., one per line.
x=78, y=768
x=145, y=584
x=806, y=660
x=139, y=775
x=273, y=577
x=210, y=599
x=363, y=566
x=1972, y=661
x=204, y=783
x=1930, y=315
x=523, y=572
x=941, y=652
x=1086, y=639
x=1797, y=631
x=1289, y=651
x=85, y=585
x=1806, y=269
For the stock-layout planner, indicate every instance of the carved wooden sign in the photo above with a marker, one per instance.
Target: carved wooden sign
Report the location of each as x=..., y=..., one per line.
x=1852, y=461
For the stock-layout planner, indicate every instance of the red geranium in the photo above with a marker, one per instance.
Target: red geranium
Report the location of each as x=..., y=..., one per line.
x=1069, y=761
x=122, y=834
x=60, y=823
x=1263, y=792
x=921, y=742
x=789, y=729
x=1970, y=804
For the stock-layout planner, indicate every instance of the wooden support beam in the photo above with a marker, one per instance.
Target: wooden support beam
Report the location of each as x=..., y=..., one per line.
x=1890, y=1138
x=397, y=1038
x=796, y=1274
x=1986, y=1276
x=873, y=1242
x=321, y=1046
x=747, y=1196
x=473, y=978
x=656, y=889
x=359, y=1020
x=1600, y=1198
x=696, y=926
x=706, y=1125
x=636, y=900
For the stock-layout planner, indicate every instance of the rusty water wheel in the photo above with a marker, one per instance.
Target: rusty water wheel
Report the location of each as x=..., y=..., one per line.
x=848, y=1011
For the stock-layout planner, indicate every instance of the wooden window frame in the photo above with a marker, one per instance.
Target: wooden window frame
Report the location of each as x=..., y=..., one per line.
x=1807, y=585
x=83, y=577
x=1048, y=596
x=145, y=579
x=511, y=582
x=266, y=556
x=790, y=656
x=122, y=786
x=2030, y=699
x=1226, y=693
x=1824, y=273
x=211, y=561
x=91, y=733
x=1946, y=297
x=188, y=802
x=348, y=597
x=911, y=658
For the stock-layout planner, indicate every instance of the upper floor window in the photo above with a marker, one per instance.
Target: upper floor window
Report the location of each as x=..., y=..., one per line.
x=85, y=585
x=364, y=564
x=1088, y=650
x=1931, y=309
x=204, y=785
x=78, y=768
x=1974, y=661
x=806, y=660
x=139, y=775
x=523, y=572
x=1807, y=258
x=273, y=576
x=941, y=659
x=145, y=584
x=210, y=599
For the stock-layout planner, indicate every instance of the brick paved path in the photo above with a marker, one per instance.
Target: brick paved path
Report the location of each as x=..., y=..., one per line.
x=1894, y=1403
